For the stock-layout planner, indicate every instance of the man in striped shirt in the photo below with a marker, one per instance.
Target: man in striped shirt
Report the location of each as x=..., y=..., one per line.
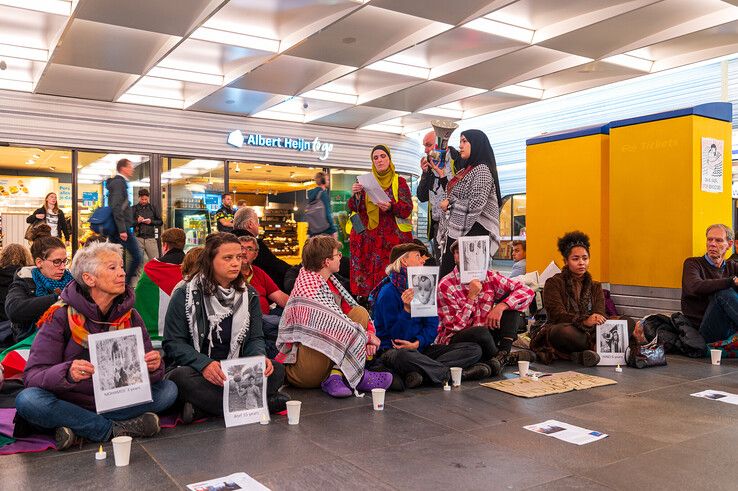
x=475, y=312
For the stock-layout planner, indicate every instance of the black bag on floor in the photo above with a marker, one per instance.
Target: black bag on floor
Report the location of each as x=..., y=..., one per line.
x=647, y=355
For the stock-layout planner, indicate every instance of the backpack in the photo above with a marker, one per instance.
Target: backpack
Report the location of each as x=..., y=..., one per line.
x=103, y=223
x=315, y=215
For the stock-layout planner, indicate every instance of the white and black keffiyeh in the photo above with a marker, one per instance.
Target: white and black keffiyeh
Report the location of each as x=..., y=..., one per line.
x=312, y=317
x=217, y=307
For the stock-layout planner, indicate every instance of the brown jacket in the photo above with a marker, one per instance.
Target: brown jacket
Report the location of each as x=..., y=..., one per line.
x=700, y=280
x=561, y=309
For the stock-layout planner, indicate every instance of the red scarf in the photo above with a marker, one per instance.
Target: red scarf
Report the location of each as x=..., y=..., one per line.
x=77, y=322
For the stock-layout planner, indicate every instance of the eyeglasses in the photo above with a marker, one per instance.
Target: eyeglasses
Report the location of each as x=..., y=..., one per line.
x=339, y=254
x=249, y=249
x=59, y=262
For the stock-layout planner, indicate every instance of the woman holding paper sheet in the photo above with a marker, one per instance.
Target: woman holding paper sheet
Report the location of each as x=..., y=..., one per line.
x=59, y=392
x=213, y=317
x=407, y=342
x=473, y=202
x=386, y=224
x=575, y=306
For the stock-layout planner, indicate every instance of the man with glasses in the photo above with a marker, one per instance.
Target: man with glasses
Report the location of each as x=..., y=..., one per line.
x=268, y=292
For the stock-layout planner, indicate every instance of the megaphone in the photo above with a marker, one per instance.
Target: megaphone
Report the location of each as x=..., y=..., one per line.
x=443, y=130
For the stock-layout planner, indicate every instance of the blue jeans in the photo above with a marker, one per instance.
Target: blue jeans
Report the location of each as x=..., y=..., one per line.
x=132, y=248
x=43, y=409
x=721, y=317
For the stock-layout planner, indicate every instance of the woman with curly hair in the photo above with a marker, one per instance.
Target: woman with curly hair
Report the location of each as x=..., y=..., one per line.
x=13, y=258
x=575, y=305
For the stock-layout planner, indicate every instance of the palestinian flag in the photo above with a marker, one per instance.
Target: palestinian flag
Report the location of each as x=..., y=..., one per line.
x=14, y=358
x=153, y=292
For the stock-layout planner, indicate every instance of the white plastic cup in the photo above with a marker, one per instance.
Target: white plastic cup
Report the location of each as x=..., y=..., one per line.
x=523, y=368
x=378, y=399
x=456, y=376
x=293, y=412
x=122, y=450
x=716, y=354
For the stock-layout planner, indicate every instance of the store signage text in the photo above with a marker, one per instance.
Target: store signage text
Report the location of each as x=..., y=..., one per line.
x=323, y=149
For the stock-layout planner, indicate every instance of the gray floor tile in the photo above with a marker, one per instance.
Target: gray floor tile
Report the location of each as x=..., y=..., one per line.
x=675, y=467
x=574, y=458
x=362, y=429
x=80, y=470
x=571, y=483
x=336, y=474
x=254, y=449
x=455, y=461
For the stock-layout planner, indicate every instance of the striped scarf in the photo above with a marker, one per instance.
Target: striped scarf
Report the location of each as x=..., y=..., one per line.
x=77, y=322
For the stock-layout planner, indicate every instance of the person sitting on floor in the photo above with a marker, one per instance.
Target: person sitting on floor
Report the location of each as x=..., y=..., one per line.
x=159, y=278
x=191, y=263
x=58, y=375
x=474, y=313
x=575, y=306
x=406, y=342
x=709, y=282
x=324, y=335
x=246, y=223
x=518, y=255
x=212, y=317
x=36, y=288
x=268, y=292
x=12, y=258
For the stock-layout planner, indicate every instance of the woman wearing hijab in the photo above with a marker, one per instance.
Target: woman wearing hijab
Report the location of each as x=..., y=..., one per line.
x=473, y=200
x=386, y=224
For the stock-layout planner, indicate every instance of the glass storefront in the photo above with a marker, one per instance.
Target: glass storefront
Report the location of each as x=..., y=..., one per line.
x=512, y=224
x=27, y=176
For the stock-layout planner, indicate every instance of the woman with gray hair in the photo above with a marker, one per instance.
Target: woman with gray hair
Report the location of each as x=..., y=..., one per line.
x=246, y=224
x=58, y=376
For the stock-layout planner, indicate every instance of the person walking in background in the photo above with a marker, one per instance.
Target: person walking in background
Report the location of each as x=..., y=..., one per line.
x=320, y=194
x=386, y=224
x=52, y=216
x=472, y=205
x=121, y=208
x=146, y=220
x=224, y=216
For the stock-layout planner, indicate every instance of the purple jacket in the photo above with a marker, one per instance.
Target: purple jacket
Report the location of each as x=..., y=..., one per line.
x=51, y=355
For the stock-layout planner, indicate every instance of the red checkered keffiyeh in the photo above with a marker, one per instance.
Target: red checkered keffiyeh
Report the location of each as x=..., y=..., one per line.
x=313, y=317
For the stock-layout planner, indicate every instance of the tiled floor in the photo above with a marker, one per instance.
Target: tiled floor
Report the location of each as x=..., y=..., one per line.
x=471, y=438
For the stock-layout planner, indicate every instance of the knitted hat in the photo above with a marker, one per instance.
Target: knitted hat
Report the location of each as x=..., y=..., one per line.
x=401, y=249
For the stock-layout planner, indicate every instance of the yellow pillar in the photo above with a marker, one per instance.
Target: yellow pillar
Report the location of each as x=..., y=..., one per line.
x=658, y=208
x=567, y=189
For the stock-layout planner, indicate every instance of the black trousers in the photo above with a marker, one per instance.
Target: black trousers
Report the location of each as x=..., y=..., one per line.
x=433, y=362
x=193, y=388
x=447, y=258
x=490, y=340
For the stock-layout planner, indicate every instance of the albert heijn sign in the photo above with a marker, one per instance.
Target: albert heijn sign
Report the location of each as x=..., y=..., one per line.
x=238, y=139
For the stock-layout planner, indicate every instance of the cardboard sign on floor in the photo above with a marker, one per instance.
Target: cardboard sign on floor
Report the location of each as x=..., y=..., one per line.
x=557, y=383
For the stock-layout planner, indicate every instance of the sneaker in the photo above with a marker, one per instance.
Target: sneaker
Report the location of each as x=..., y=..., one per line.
x=587, y=358
x=477, y=371
x=142, y=426
x=512, y=359
x=65, y=438
x=335, y=386
x=413, y=380
x=494, y=365
x=374, y=380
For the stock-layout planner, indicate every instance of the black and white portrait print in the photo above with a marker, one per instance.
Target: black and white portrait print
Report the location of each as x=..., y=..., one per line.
x=424, y=282
x=473, y=257
x=424, y=288
x=118, y=363
x=612, y=342
x=244, y=388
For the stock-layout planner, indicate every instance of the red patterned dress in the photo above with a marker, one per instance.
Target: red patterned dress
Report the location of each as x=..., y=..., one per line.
x=370, y=250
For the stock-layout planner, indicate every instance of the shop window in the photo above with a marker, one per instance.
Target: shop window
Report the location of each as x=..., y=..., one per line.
x=278, y=194
x=93, y=171
x=192, y=190
x=512, y=224
x=27, y=176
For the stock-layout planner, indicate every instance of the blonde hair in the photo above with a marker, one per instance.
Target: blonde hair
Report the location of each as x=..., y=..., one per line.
x=395, y=266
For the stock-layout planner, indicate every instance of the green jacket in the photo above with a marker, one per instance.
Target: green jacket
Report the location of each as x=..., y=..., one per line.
x=177, y=343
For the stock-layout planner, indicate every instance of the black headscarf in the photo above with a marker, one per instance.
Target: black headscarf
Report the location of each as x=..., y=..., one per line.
x=482, y=153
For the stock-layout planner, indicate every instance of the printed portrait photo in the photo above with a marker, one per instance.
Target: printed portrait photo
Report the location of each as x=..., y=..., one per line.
x=118, y=363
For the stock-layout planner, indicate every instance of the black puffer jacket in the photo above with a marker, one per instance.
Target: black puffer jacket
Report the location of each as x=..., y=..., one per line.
x=676, y=334
x=22, y=306
x=6, y=278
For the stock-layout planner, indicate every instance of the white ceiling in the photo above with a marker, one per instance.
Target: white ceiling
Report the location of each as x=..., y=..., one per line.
x=385, y=65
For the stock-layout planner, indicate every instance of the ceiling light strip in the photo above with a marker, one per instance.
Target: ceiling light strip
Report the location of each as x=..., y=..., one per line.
x=326, y=95
x=151, y=101
x=521, y=91
x=186, y=76
x=235, y=39
x=501, y=29
x=630, y=61
x=400, y=69
x=24, y=53
x=59, y=7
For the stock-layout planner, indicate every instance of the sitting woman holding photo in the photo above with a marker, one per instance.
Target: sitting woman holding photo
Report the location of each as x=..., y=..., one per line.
x=575, y=305
x=325, y=337
x=407, y=347
x=59, y=393
x=212, y=317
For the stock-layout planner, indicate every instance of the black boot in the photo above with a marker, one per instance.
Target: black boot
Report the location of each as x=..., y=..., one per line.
x=477, y=371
